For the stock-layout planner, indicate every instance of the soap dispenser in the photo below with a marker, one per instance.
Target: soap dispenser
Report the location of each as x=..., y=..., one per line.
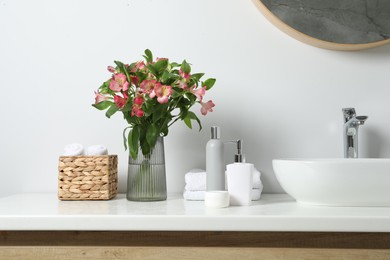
x=215, y=166
x=239, y=177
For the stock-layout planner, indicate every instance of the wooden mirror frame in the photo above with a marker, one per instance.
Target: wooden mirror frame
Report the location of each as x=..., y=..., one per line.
x=309, y=39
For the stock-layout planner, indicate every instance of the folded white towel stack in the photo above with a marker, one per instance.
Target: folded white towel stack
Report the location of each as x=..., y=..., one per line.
x=195, y=180
x=195, y=185
x=97, y=150
x=73, y=150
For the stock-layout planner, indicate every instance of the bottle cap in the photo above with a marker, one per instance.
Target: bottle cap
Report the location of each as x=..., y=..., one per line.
x=217, y=199
x=215, y=132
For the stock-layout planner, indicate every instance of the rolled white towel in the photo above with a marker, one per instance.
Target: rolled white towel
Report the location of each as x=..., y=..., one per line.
x=97, y=150
x=196, y=180
x=199, y=194
x=73, y=150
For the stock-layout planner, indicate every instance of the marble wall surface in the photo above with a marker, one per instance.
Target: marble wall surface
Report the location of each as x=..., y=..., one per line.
x=339, y=21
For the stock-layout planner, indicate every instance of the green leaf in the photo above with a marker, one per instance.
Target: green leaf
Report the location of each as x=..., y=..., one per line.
x=124, y=137
x=165, y=76
x=103, y=105
x=175, y=64
x=145, y=148
x=133, y=141
x=209, y=83
x=148, y=56
x=187, y=121
x=177, y=92
x=105, y=87
x=151, y=135
x=159, y=112
x=197, y=76
x=183, y=112
x=142, y=139
x=153, y=70
x=132, y=66
x=165, y=131
x=147, y=108
x=192, y=116
x=191, y=98
x=142, y=133
x=123, y=69
x=185, y=67
x=127, y=107
x=185, y=101
x=130, y=119
x=141, y=76
x=112, y=110
x=121, y=66
x=161, y=66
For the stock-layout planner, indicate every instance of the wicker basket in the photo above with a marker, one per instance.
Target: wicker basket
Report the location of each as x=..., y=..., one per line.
x=87, y=177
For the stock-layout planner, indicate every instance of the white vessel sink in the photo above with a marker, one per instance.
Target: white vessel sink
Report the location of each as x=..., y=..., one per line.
x=336, y=182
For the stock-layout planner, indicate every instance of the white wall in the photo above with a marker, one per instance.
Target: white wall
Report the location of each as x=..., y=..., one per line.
x=283, y=97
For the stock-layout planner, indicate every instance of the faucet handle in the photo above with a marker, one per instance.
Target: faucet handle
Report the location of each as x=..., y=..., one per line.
x=348, y=113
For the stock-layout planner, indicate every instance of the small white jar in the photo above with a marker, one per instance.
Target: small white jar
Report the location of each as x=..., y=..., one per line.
x=217, y=199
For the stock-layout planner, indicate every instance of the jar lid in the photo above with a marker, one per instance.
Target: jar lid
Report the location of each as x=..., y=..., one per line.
x=216, y=199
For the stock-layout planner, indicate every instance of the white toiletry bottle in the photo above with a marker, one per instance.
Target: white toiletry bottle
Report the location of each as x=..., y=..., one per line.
x=239, y=177
x=215, y=166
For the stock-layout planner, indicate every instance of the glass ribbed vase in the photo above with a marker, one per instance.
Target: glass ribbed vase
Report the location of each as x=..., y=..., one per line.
x=146, y=180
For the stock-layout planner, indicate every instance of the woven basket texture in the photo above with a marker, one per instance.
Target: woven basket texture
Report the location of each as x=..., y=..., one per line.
x=87, y=177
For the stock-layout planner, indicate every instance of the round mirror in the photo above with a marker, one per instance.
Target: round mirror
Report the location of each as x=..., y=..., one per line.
x=331, y=24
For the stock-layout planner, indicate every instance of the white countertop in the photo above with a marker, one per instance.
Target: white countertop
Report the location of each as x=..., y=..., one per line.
x=274, y=212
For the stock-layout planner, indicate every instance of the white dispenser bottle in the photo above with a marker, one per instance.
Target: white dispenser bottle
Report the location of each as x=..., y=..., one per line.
x=239, y=177
x=215, y=166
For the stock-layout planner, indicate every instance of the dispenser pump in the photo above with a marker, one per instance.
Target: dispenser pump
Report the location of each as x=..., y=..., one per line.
x=239, y=157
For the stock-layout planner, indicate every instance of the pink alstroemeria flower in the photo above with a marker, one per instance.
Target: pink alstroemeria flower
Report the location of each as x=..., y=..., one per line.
x=184, y=75
x=138, y=100
x=163, y=93
x=139, y=66
x=199, y=93
x=137, y=106
x=207, y=107
x=139, y=113
x=120, y=101
x=136, y=111
x=183, y=85
x=119, y=82
x=111, y=69
x=134, y=80
x=99, y=97
x=148, y=85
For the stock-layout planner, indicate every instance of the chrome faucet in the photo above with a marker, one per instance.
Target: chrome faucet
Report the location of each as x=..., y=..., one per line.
x=351, y=126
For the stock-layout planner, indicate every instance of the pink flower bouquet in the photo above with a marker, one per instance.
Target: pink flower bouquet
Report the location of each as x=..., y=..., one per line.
x=152, y=95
